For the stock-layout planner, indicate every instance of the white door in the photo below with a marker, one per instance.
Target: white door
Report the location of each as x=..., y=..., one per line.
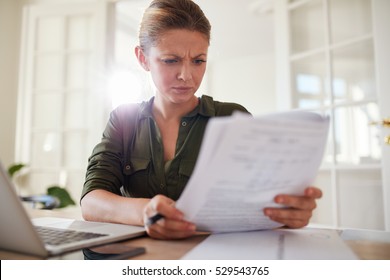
x=331, y=58
x=381, y=11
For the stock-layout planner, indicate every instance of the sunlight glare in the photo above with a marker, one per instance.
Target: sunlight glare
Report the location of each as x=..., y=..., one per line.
x=124, y=87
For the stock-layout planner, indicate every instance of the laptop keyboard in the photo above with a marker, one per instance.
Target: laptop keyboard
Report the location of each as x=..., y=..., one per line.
x=54, y=236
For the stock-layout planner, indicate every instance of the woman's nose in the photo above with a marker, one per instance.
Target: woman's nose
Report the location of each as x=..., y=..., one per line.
x=185, y=72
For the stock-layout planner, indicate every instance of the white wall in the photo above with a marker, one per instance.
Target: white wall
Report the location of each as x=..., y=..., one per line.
x=247, y=80
x=10, y=23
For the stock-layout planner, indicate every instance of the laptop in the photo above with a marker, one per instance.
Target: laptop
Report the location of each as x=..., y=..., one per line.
x=19, y=233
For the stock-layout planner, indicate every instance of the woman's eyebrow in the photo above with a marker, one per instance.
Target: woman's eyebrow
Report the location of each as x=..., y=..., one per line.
x=178, y=56
x=202, y=54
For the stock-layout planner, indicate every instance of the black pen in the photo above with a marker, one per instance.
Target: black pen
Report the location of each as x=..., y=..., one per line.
x=152, y=220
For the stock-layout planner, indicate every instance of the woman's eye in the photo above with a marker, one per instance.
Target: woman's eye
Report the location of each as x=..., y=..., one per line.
x=169, y=61
x=199, y=61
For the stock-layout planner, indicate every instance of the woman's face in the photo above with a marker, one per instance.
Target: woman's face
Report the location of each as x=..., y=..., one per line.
x=177, y=64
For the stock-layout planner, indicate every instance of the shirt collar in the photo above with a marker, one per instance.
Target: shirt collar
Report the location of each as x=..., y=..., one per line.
x=146, y=108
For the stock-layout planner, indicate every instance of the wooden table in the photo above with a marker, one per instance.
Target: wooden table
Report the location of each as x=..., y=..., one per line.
x=175, y=249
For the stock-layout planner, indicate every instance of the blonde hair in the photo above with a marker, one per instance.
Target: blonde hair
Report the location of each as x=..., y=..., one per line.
x=164, y=15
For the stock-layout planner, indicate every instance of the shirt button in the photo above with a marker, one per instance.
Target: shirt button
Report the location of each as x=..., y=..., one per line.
x=184, y=123
x=127, y=167
x=162, y=185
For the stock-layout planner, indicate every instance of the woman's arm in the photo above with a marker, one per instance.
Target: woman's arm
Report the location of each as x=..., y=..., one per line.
x=104, y=206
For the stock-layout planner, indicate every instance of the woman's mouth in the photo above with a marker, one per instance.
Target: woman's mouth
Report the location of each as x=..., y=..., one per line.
x=182, y=89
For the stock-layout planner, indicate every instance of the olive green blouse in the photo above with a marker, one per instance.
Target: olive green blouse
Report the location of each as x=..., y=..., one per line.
x=129, y=160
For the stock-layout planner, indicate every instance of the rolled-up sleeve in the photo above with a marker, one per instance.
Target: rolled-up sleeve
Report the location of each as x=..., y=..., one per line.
x=105, y=165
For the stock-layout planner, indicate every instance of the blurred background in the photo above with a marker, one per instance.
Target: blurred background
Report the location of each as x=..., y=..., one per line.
x=64, y=65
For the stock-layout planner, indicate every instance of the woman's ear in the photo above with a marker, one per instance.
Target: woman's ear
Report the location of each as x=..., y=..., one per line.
x=142, y=59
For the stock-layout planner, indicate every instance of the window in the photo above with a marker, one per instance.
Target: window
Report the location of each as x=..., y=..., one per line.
x=63, y=108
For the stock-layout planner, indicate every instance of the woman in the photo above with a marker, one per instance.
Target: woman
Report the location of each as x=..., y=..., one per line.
x=148, y=150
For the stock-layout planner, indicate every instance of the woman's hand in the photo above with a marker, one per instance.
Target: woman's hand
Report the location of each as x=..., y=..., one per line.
x=172, y=225
x=298, y=209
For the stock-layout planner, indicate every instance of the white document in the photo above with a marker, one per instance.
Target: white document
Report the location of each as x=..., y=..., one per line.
x=281, y=244
x=245, y=161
